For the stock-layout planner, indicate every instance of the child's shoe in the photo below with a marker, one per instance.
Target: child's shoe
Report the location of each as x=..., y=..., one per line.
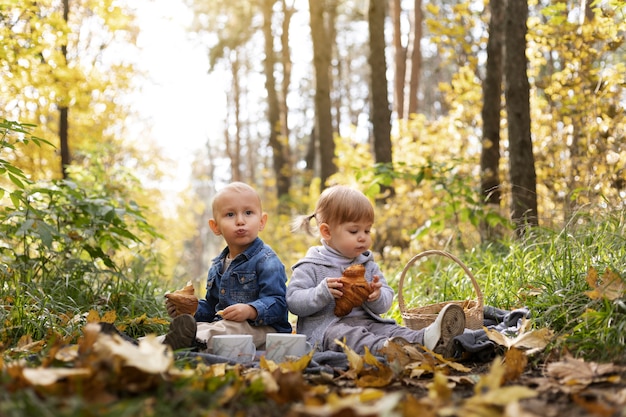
x=439, y=335
x=182, y=332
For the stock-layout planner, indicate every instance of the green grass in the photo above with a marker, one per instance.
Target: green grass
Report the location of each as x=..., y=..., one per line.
x=545, y=272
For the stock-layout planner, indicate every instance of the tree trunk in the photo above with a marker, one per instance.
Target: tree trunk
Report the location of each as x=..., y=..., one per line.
x=416, y=59
x=281, y=165
x=522, y=162
x=321, y=64
x=492, y=93
x=233, y=148
x=381, y=115
x=400, y=54
x=64, y=142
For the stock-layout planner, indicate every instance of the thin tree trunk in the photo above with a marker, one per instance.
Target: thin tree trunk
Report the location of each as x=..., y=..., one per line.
x=381, y=115
x=492, y=93
x=416, y=59
x=321, y=64
x=400, y=55
x=234, y=149
x=64, y=142
x=517, y=92
x=282, y=167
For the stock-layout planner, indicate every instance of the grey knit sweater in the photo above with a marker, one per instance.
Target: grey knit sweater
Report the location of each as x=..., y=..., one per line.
x=309, y=298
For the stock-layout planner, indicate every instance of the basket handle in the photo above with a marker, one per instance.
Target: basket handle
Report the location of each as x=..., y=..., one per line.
x=479, y=293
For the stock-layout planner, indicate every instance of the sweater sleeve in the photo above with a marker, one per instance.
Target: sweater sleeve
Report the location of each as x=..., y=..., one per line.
x=307, y=292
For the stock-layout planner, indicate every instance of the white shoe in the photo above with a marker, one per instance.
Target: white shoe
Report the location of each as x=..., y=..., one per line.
x=439, y=335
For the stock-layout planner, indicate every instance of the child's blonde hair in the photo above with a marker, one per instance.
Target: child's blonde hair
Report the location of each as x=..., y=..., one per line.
x=238, y=187
x=337, y=205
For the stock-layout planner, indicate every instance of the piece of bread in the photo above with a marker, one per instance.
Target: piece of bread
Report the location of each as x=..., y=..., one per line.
x=184, y=299
x=355, y=290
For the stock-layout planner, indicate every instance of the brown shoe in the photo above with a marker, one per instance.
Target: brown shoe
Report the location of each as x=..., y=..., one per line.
x=182, y=332
x=439, y=335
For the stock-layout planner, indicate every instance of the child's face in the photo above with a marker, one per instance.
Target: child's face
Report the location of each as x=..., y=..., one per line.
x=350, y=239
x=238, y=217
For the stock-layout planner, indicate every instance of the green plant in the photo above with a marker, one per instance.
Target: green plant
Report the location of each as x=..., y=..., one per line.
x=66, y=251
x=546, y=272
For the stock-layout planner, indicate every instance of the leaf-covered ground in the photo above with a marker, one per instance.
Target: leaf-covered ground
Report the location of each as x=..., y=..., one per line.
x=105, y=375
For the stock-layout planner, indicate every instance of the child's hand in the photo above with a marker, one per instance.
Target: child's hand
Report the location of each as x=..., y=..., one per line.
x=334, y=286
x=375, y=285
x=239, y=312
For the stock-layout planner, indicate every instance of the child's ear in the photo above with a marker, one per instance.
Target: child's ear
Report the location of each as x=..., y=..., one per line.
x=214, y=228
x=263, y=222
x=325, y=231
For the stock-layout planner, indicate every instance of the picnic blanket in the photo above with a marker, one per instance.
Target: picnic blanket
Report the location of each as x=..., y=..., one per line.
x=472, y=345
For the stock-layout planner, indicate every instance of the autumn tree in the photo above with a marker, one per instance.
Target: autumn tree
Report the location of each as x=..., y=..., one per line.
x=492, y=106
x=381, y=113
x=321, y=65
x=517, y=92
x=278, y=135
x=401, y=54
x=59, y=57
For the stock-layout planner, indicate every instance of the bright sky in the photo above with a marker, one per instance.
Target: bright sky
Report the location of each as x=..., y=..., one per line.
x=184, y=103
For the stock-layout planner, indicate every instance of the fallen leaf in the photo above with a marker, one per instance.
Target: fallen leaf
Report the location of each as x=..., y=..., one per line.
x=593, y=406
x=290, y=387
x=515, y=362
x=350, y=405
x=149, y=356
x=532, y=341
x=355, y=361
x=610, y=286
x=573, y=371
x=440, y=389
x=50, y=376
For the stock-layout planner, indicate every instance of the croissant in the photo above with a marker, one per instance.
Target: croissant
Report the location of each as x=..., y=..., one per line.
x=355, y=290
x=184, y=299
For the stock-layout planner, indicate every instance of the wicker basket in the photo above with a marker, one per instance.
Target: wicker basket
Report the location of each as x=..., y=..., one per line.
x=420, y=317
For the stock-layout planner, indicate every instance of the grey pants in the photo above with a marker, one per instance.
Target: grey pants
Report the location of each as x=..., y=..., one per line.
x=358, y=332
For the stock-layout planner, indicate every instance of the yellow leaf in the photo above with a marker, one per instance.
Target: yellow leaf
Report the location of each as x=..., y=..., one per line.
x=533, y=341
x=371, y=395
x=93, y=316
x=109, y=317
x=440, y=389
x=354, y=360
x=504, y=395
x=515, y=362
x=609, y=286
x=492, y=380
x=299, y=364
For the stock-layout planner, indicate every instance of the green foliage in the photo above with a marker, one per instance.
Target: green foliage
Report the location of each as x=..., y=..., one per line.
x=64, y=252
x=546, y=273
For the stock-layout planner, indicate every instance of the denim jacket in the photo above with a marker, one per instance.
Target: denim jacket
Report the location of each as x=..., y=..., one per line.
x=256, y=277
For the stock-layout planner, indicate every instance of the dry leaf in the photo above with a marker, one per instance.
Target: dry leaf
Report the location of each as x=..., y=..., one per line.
x=532, y=341
x=440, y=389
x=610, y=286
x=572, y=371
x=50, y=376
x=594, y=407
x=355, y=361
x=149, y=356
x=515, y=362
